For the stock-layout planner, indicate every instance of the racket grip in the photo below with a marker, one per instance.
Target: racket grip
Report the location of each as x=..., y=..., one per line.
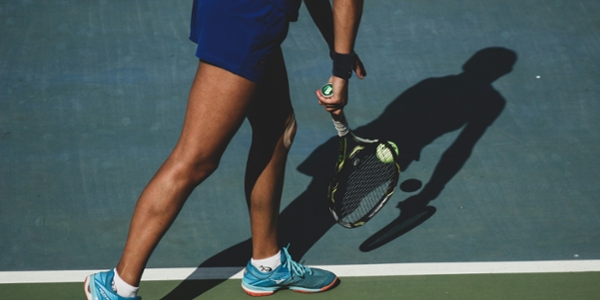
x=340, y=123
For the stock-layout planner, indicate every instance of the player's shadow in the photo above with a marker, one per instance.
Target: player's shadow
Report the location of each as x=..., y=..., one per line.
x=467, y=102
x=421, y=114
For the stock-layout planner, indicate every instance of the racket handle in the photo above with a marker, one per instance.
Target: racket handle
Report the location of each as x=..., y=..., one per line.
x=340, y=123
x=339, y=120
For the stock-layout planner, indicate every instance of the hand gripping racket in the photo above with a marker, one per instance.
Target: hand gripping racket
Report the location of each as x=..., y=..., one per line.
x=365, y=177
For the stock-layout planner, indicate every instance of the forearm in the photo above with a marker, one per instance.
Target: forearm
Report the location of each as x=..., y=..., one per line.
x=322, y=15
x=346, y=18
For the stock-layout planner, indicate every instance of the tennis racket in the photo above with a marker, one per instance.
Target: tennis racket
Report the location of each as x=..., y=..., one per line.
x=365, y=177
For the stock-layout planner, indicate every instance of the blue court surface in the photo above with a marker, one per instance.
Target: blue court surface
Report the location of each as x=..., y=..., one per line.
x=500, y=156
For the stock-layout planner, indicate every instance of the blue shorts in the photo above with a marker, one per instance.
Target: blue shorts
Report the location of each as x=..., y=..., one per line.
x=238, y=35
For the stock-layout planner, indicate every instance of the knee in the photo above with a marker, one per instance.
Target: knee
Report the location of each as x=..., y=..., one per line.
x=191, y=171
x=200, y=170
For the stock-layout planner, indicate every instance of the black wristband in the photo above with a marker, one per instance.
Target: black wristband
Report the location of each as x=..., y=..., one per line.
x=343, y=64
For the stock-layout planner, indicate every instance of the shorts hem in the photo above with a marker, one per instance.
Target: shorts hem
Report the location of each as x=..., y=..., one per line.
x=231, y=67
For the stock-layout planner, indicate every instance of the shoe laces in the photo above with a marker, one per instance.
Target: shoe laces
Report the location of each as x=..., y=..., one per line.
x=295, y=268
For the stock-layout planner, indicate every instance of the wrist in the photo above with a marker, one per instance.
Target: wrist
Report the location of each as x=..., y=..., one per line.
x=343, y=64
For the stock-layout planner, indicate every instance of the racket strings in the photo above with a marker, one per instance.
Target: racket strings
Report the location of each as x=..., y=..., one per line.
x=363, y=183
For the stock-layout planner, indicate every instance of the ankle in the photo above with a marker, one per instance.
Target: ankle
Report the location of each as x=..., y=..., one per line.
x=123, y=288
x=267, y=264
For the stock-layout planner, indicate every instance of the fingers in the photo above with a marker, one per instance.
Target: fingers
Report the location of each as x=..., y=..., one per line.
x=359, y=69
x=335, y=102
x=327, y=103
x=330, y=107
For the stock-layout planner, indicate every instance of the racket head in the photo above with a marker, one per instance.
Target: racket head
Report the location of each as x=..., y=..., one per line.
x=362, y=182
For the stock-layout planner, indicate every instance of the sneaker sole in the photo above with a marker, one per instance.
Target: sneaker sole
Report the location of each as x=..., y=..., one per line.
x=253, y=291
x=261, y=293
x=86, y=288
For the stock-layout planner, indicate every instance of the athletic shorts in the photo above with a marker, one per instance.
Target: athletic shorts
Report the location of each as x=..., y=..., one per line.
x=237, y=35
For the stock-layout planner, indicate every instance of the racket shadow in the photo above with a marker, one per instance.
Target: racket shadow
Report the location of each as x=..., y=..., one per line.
x=410, y=218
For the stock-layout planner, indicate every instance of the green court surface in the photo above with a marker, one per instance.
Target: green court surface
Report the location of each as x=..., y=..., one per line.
x=558, y=286
x=92, y=96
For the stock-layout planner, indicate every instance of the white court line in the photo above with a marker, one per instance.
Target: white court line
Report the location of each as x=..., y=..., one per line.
x=401, y=269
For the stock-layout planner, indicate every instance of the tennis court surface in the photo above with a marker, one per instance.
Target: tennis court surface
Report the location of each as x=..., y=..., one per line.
x=92, y=96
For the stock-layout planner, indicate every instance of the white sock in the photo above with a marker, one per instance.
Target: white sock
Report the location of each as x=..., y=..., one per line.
x=123, y=288
x=267, y=264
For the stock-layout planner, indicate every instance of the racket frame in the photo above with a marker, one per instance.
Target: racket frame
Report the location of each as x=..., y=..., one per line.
x=344, y=132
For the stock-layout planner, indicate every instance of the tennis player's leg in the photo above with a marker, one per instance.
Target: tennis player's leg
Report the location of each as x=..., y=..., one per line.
x=273, y=129
x=217, y=106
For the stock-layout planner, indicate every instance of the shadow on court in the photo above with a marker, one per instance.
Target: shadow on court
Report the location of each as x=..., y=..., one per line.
x=430, y=109
x=421, y=114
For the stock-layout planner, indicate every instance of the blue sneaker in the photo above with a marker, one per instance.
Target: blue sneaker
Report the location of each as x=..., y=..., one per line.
x=99, y=287
x=289, y=275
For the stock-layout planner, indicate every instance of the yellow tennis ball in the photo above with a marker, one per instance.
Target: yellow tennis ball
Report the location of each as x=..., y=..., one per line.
x=384, y=154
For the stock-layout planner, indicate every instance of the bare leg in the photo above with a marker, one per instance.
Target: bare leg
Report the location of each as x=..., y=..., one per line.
x=217, y=106
x=270, y=115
